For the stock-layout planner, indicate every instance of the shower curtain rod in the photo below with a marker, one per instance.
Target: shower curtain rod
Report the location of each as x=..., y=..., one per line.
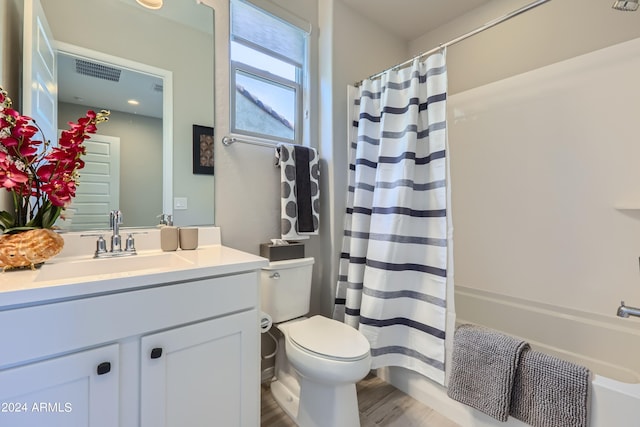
x=460, y=38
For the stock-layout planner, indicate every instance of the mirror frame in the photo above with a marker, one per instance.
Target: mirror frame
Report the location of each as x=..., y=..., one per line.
x=167, y=108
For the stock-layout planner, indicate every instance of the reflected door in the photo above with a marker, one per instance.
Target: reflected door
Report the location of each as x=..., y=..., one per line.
x=40, y=87
x=98, y=190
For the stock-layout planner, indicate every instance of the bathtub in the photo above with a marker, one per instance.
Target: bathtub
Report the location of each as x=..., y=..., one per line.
x=608, y=345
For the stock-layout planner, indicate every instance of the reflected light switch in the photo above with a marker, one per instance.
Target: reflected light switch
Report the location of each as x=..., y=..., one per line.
x=179, y=203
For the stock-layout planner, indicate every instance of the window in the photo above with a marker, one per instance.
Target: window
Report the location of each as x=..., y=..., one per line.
x=268, y=73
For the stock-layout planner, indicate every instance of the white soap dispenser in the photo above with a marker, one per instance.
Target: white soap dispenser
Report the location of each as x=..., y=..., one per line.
x=168, y=233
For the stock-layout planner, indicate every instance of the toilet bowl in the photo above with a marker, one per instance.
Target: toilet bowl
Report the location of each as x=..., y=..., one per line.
x=315, y=378
x=327, y=351
x=318, y=360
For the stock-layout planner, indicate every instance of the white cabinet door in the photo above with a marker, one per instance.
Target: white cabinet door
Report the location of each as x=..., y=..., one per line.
x=80, y=389
x=205, y=374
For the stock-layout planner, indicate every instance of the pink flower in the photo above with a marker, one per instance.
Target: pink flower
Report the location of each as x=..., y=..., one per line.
x=41, y=176
x=60, y=191
x=11, y=176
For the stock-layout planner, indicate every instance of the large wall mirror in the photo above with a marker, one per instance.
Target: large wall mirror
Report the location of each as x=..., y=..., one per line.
x=145, y=51
x=140, y=127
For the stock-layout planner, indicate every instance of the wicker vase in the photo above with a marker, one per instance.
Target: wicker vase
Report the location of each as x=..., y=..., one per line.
x=29, y=248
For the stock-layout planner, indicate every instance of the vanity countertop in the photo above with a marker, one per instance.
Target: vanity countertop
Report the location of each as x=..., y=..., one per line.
x=73, y=276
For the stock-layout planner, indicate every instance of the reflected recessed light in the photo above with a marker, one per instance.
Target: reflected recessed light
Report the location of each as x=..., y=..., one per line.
x=626, y=6
x=133, y=102
x=150, y=4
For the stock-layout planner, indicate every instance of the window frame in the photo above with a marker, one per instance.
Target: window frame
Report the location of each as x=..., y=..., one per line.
x=300, y=86
x=239, y=67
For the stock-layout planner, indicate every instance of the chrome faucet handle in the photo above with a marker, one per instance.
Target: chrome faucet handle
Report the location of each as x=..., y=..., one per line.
x=130, y=245
x=101, y=246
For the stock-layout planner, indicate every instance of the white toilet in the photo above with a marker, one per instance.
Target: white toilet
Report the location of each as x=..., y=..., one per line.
x=318, y=360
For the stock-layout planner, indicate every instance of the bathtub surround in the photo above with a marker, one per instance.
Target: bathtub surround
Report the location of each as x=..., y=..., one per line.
x=392, y=282
x=484, y=369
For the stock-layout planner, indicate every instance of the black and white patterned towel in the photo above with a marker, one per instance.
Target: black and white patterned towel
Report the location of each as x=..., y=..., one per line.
x=300, y=191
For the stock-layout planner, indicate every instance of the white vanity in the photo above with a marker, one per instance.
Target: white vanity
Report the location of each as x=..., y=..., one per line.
x=157, y=339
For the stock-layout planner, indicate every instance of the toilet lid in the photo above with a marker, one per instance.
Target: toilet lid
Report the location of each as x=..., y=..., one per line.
x=329, y=338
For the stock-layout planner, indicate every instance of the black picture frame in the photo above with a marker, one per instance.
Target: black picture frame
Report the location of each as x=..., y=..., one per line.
x=203, y=153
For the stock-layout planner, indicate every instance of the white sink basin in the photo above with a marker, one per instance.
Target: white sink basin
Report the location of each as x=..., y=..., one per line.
x=165, y=261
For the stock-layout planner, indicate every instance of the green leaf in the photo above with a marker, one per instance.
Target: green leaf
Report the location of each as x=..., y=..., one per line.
x=6, y=220
x=50, y=215
x=15, y=230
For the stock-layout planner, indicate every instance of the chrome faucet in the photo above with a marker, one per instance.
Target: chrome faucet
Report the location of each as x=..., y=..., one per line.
x=115, y=221
x=625, y=311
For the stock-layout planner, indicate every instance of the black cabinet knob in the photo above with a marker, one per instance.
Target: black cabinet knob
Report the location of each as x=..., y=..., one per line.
x=104, y=368
x=156, y=353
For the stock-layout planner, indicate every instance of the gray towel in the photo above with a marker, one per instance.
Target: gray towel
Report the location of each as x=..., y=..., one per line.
x=550, y=392
x=484, y=365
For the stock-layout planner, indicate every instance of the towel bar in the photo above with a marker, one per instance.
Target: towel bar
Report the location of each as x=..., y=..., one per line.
x=230, y=140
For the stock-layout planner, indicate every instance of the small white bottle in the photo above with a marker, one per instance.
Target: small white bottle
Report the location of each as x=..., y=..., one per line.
x=169, y=236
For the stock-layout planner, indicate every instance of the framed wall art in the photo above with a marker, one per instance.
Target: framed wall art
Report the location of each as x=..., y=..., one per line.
x=203, y=150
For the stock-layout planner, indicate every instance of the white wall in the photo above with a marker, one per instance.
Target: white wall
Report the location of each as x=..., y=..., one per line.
x=247, y=183
x=346, y=44
x=247, y=196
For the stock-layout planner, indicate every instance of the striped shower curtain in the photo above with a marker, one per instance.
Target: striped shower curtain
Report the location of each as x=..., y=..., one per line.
x=392, y=282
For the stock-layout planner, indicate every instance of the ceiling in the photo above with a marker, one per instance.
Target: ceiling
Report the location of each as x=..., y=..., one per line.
x=93, y=84
x=407, y=19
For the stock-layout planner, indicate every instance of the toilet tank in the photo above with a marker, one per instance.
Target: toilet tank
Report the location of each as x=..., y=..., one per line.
x=285, y=288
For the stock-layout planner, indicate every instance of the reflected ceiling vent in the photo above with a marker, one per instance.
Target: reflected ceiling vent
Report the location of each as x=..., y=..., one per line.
x=626, y=6
x=157, y=88
x=99, y=71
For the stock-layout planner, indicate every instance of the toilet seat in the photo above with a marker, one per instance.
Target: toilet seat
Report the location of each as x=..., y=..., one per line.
x=329, y=339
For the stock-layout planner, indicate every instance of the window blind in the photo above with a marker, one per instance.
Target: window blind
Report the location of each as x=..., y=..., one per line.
x=253, y=26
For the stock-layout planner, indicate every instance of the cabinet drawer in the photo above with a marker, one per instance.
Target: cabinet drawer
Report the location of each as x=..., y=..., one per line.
x=35, y=332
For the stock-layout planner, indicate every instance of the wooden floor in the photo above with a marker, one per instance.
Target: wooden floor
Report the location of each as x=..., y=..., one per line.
x=380, y=404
